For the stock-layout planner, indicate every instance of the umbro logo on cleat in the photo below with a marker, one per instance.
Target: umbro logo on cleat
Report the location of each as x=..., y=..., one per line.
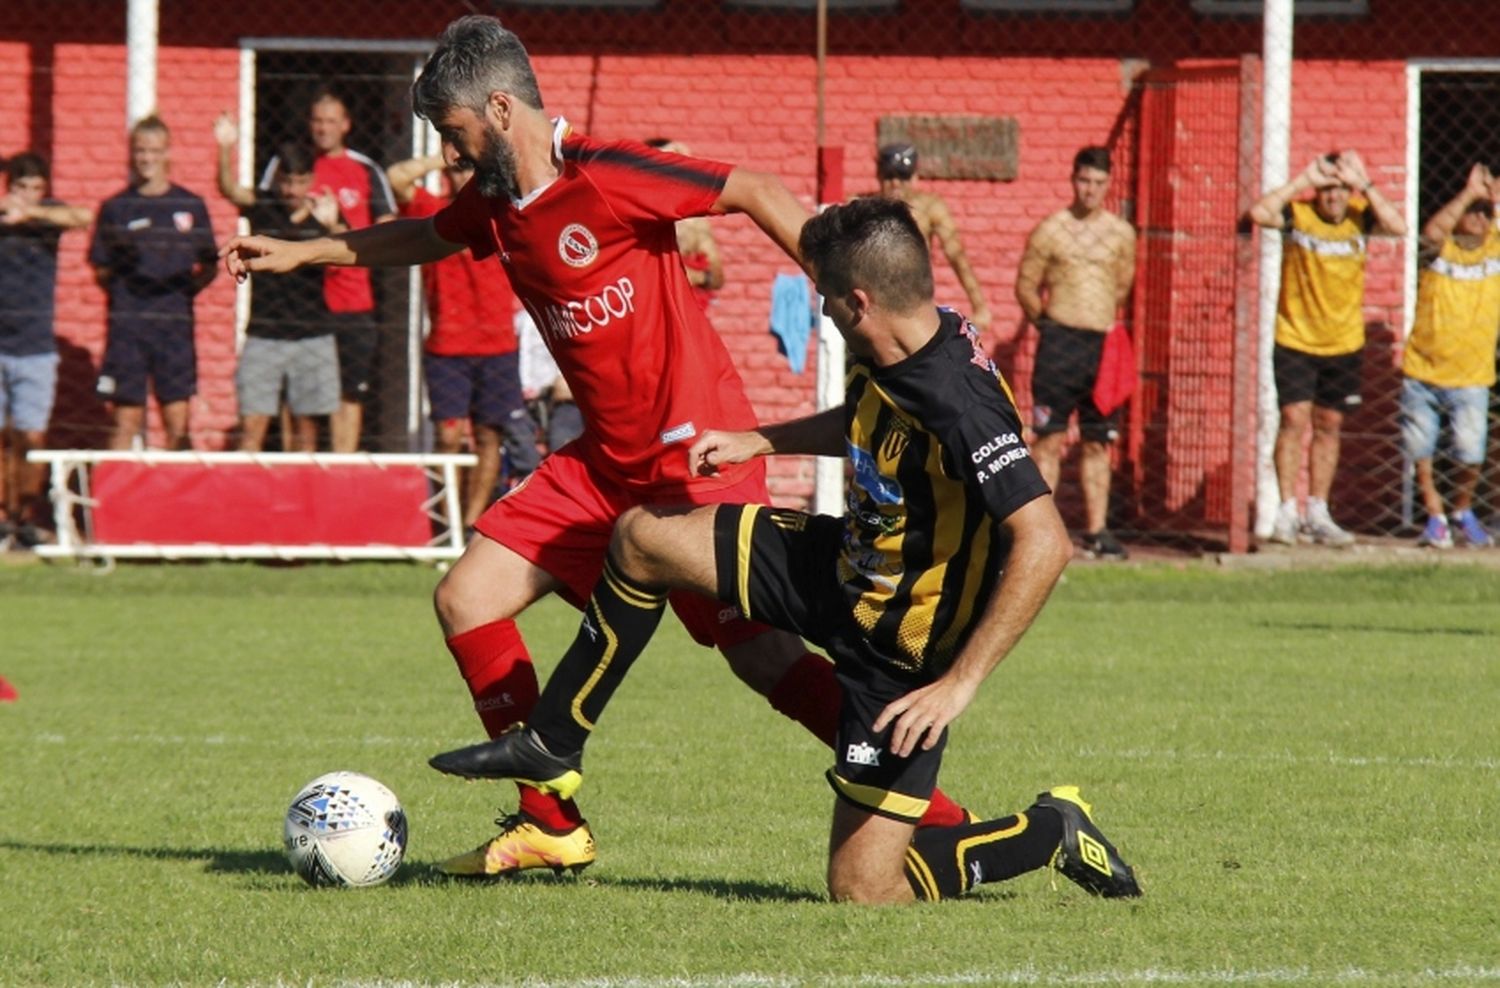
x=862, y=754
x=1093, y=853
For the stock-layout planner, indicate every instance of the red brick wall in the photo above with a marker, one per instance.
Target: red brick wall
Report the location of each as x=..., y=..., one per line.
x=734, y=86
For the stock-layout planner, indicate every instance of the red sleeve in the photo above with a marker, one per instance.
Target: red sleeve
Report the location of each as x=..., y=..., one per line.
x=466, y=220
x=648, y=185
x=422, y=205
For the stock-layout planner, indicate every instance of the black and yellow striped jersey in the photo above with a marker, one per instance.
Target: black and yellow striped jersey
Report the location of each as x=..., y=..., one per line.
x=938, y=462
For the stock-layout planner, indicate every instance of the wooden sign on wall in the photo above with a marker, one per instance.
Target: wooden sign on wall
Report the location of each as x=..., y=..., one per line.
x=961, y=147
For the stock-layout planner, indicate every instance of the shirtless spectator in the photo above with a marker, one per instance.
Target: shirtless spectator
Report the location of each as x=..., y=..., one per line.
x=695, y=242
x=896, y=167
x=1075, y=275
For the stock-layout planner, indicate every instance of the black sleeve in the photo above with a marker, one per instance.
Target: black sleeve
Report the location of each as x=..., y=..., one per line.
x=986, y=451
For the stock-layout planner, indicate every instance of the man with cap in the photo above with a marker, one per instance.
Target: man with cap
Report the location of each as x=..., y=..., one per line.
x=896, y=167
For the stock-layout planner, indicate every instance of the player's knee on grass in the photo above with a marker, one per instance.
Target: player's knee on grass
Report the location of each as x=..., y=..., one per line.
x=867, y=857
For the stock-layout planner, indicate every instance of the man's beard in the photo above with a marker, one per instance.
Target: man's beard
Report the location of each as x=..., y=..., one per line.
x=495, y=169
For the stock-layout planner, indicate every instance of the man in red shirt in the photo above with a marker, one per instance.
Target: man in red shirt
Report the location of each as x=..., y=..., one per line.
x=364, y=198
x=586, y=232
x=471, y=358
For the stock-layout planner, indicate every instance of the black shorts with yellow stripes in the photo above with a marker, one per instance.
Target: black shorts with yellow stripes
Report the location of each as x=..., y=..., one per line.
x=778, y=567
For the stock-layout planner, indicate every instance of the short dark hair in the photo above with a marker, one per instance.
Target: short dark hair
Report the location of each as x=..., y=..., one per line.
x=294, y=158
x=657, y=142
x=1093, y=156
x=27, y=164
x=874, y=244
x=475, y=56
x=327, y=94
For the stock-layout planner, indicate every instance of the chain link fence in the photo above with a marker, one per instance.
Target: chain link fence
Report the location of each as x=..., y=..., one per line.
x=1194, y=120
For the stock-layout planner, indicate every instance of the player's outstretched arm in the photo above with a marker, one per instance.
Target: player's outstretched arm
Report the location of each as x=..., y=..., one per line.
x=1039, y=551
x=395, y=244
x=815, y=435
x=767, y=201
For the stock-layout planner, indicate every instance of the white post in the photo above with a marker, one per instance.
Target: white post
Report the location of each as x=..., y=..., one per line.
x=828, y=497
x=1275, y=151
x=140, y=60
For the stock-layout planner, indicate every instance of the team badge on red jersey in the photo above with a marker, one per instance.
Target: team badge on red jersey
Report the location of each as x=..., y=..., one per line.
x=577, y=245
x=183, y=221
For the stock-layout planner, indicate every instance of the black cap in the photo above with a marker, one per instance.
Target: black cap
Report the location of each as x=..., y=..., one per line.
x=896, y=161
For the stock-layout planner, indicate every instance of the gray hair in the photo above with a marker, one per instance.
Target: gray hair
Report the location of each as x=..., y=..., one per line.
x=475, y=56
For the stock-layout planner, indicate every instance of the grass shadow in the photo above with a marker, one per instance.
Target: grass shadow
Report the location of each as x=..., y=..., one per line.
x=734, y=891
x=1375, y=628
x=216, y=860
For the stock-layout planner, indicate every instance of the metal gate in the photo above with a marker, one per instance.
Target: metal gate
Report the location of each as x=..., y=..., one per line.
x=1189, y=451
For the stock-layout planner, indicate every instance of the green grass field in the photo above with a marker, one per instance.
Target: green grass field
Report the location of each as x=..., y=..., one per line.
x=1303, y=767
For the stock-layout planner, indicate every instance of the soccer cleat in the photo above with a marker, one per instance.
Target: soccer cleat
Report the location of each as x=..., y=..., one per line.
x=1085, y=856
x=1103, y=545
x=1474, y=534
x=517, y=754
x=521, y=846
x=1322, y=529
x=1436, y=535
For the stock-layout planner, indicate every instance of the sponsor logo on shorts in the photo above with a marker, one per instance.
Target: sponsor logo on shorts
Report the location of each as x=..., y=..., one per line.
x=183, y=221
x=728, y=614
x=577, y=245
x=678, y=433
x=862, y=754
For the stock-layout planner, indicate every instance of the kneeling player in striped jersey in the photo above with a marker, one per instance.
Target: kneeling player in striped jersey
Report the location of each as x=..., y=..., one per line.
x=948, y=551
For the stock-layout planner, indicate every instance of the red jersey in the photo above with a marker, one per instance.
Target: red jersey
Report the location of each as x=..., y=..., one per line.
x=469, y=301
x=593, y=258
x=363, y=193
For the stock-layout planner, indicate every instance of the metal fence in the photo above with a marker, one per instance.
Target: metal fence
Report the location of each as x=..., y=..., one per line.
x=1199, y=116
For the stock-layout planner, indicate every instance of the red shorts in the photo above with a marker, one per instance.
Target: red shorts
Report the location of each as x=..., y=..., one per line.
x=561, y=517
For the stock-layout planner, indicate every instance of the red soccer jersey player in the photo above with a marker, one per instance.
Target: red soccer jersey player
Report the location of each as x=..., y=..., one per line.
x=586, y=231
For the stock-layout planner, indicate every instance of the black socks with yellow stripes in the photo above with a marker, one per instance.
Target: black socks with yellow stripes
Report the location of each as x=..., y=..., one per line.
x=945, y=862
x=619, y=620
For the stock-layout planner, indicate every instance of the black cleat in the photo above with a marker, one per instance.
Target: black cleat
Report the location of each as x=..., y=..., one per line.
x=516, y=754
x=1103, y=545
x=1085, y=856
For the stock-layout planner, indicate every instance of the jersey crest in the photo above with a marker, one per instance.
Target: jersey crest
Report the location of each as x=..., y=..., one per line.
x=577, y=245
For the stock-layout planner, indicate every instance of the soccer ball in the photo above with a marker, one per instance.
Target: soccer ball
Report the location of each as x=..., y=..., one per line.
x=344, y=828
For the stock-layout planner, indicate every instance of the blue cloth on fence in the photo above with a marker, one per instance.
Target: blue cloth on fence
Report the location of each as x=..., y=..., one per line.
x=792, y=317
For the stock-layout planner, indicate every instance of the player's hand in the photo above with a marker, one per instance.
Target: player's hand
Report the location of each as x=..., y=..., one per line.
x=716, y=449
x=243, y=256
x=1320, y=173
x=226, y=132
x=921, y=715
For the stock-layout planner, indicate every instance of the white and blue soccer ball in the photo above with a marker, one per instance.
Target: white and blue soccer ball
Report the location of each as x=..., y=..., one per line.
x=345, y=829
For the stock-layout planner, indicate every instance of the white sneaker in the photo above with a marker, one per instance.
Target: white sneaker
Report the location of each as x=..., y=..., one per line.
x=1322, y=529
x=1286, y=527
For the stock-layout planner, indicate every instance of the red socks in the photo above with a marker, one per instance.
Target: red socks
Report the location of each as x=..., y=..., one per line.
x=497, y=668
x=809, y=694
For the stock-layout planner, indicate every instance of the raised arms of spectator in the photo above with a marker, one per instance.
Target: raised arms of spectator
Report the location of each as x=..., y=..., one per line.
x=1270, y=209
x=399, y=243
x=14, y=212
x=1350, y=169
x=946, y=231
x=767, y=201
x=1440, y=227
x=226, y=135
x=404, y=175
